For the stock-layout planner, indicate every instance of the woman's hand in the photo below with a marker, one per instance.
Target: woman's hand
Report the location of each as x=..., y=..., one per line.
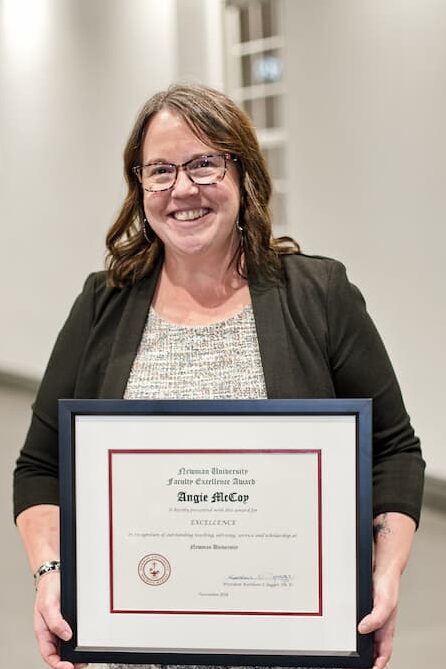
x=393, y=534
x=39, y=529
x=49, y=626
x=382, y=618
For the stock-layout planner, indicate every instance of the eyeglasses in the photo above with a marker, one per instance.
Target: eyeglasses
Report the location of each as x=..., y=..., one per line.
x=203, y=170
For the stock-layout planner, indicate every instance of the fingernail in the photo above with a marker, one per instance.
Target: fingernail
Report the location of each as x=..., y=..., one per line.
x=66, y=634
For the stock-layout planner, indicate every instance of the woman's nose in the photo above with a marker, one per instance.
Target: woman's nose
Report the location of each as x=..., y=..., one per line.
x=184, y=185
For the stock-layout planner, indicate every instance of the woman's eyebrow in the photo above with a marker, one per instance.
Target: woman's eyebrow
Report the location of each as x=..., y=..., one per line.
x=200, y=154
x=163, y=161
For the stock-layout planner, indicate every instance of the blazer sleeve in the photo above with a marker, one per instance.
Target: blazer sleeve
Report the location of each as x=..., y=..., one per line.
x=36, y=472
x=361, y=368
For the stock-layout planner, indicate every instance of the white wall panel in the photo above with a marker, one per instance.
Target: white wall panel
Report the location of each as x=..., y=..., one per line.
x=367, y=164
x=73, y=75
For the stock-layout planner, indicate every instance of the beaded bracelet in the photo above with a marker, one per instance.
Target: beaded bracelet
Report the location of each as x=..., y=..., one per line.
x=45, y=568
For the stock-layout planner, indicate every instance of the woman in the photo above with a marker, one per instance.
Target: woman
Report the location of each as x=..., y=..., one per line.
x=198, y=301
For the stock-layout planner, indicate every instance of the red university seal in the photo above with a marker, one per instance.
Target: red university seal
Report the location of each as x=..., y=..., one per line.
x=154, y=569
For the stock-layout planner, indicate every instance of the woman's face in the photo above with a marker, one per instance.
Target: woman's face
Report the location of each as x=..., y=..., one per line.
x=189, y=219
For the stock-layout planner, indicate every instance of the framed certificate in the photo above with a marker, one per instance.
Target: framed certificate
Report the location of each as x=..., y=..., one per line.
x=216, y=532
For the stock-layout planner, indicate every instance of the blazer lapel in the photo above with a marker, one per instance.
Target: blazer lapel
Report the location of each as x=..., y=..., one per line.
x=128, y=336
x=277, y=361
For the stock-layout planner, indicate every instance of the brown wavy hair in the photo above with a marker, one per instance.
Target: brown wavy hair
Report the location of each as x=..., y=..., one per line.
x=216, y=120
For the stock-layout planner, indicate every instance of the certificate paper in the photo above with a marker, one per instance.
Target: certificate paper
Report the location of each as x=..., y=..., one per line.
x=216, y=532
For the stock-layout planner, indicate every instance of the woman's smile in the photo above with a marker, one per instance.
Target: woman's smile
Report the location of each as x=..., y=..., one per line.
x=188, y=215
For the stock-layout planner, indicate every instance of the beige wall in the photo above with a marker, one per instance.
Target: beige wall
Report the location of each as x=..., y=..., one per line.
x=73, y=75
x=367, y=164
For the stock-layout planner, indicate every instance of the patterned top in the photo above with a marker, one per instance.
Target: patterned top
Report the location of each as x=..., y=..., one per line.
x=216, y=361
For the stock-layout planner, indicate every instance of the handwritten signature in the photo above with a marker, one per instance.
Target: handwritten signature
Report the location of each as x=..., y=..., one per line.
x=266, y=576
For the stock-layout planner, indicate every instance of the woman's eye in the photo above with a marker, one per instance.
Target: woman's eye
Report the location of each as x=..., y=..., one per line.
x=158, y=170
x=162, y=169
x=203, y=163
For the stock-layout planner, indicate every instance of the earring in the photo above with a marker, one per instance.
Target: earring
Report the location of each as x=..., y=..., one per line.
x=241, y=233
x=147, y=231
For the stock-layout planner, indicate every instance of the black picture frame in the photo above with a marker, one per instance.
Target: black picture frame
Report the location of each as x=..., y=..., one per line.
x=71, y=410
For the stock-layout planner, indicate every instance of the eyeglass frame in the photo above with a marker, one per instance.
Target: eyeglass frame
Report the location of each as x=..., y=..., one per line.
x=183, y=166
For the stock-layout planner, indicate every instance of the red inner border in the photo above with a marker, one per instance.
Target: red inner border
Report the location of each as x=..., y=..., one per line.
x=317, y=452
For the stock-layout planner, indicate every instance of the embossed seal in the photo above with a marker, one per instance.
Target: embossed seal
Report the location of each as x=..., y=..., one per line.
x=154, y=569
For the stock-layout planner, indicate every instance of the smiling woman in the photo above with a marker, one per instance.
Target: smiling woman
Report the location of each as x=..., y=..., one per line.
x=199, y=301
x=173, y=128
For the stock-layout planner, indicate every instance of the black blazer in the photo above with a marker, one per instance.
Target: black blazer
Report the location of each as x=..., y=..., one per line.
x=316, y=340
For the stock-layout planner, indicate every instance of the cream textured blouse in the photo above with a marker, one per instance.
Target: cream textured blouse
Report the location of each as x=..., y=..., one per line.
x=216, y=361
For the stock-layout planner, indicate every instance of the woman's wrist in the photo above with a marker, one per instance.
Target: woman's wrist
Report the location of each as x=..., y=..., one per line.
x=393, y=534
x=45, y=568
x=39, y=529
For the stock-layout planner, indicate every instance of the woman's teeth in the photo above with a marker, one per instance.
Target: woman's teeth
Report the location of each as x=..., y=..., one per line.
x=190, y=215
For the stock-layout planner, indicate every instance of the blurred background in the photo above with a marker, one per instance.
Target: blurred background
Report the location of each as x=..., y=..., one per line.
x=349, y=101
